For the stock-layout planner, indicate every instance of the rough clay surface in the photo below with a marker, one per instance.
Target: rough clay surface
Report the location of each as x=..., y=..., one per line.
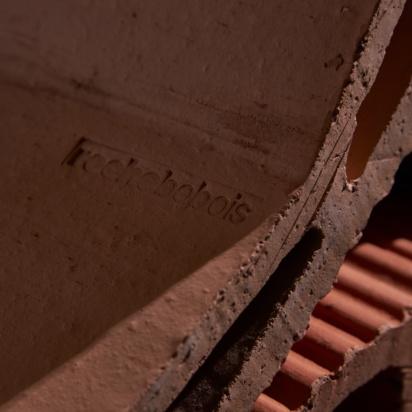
x=342, y=217
x=147, y=165
x=362, y=327
x=343, y=214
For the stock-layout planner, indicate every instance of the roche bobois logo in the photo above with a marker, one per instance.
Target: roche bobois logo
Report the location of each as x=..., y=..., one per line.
x=162, y=182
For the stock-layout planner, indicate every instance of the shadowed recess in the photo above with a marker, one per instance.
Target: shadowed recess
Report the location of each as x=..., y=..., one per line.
x=383, y=393
x=209, y=384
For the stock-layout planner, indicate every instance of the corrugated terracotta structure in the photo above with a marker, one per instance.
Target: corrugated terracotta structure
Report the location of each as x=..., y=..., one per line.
x=181, y=185
x=362, y=327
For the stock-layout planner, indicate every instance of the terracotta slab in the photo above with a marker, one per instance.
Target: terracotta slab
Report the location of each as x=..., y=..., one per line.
x=336, y=358
x=343, y=214
x=119, y=126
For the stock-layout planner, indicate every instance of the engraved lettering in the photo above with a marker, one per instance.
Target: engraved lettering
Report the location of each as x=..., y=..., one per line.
x=148, y=181
x=94, y=163
x=238, y=197
x=113, y=169
x=241, y=213
x=175, y=187
x=217, y=205
x=167, y=186
x=128, y=172
x=183, y=193
x=201, y=198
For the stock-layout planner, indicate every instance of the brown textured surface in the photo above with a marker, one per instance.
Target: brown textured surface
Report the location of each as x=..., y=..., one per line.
x=343, y=214
x=106, y=106
x=369, y=296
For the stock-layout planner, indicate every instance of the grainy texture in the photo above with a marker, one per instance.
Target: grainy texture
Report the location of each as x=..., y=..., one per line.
x=158, y=164
x=342, y=215
x=362, y=327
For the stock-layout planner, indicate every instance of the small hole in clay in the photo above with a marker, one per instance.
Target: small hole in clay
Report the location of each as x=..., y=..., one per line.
x=376, y=110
